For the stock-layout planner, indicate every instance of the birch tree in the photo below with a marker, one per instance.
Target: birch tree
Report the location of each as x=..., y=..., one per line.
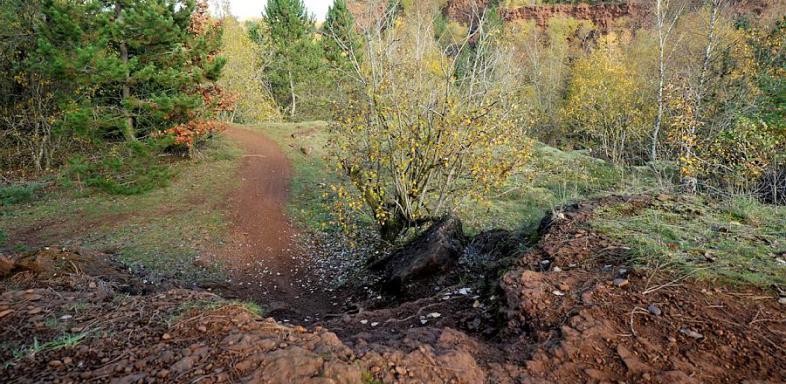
x=667, y=14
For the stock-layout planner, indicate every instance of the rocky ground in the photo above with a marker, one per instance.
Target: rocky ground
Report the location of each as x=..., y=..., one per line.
x=569, y=309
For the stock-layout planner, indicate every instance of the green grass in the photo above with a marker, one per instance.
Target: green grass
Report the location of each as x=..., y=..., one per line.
x=68, y=340
x=162, y=229
x=551, y=179
x=738, y=241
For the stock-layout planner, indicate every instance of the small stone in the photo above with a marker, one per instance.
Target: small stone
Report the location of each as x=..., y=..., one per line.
x=55, y=363
x=691, y=333
x=66, y=317
x=202, y=328
x=653, y=309
x=476, y=304
x=557, y=269
x=423, y=321
x=434, y=315
x=31, y=297
x=374, y=324
x=557, y=292
x=782, y=300
x=364, y=321
x=67, y=360
x=620, y=282
x=166, y=336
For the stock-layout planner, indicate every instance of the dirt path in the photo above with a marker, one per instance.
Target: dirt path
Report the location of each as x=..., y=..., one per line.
x=266, y=263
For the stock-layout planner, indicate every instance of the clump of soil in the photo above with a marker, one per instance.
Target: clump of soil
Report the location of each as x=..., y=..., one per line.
x=571, y=309
x=589, y=316
x=71, y=327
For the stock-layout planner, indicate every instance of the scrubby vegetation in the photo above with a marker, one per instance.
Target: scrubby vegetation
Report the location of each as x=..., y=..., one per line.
x=462, y=190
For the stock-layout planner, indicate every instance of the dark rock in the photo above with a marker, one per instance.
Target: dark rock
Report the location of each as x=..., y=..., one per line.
x=435, y=251
x=490, y=246
x=653, y=309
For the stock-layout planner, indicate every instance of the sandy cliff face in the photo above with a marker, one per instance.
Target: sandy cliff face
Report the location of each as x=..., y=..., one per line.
x=601, y=15
x=465, y=11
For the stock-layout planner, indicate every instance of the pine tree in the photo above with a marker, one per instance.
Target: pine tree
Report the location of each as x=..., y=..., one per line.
x=53, y=60
x=340, y=40
x=297, y=57
x=168, y=52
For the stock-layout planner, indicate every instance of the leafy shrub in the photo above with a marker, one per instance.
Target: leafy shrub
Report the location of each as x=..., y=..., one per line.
x=740, y=156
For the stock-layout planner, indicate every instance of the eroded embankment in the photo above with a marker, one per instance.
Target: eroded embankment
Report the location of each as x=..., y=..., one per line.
x=571, y=309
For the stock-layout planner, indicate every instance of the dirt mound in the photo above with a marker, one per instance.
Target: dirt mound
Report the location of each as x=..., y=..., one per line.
x=86, y=331
x=570, y=310
x=48, y=263
x=595, y=318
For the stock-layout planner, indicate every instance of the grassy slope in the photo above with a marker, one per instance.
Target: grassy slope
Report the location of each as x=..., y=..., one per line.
x=734, y=241
x=162, y=230
x=552, y=179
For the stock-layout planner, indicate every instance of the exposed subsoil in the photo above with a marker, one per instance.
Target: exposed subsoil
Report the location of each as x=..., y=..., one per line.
x=264, y=253
x=571, y=309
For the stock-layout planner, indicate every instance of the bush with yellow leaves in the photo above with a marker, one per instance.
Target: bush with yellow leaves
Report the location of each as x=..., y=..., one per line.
x=422, y=141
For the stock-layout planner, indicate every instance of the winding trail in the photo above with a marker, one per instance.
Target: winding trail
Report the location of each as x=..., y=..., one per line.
x=266, y=263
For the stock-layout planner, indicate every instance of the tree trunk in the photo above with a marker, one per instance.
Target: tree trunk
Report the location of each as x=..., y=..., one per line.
x=690, y=183
x=129, y=131
x=659, y=115
x=391, y=228
x=292, y=93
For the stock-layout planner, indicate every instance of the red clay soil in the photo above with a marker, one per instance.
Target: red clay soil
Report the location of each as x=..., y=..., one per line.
x=262, y=254
x=561, y=318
